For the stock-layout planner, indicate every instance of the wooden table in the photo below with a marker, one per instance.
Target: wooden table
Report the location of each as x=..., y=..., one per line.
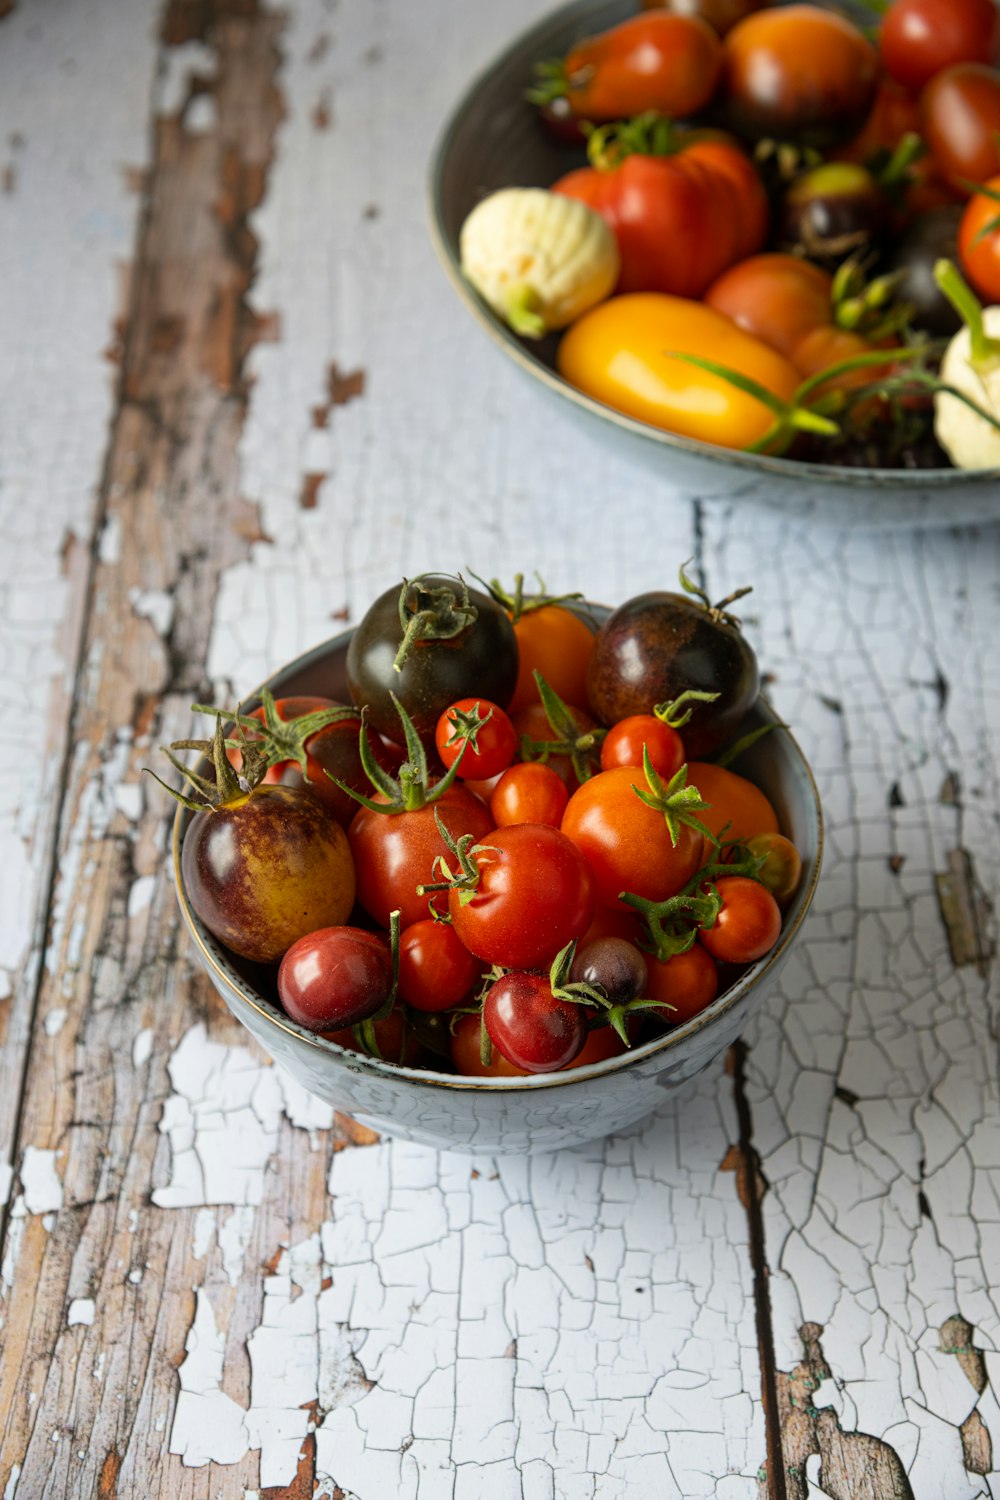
x=237, y=399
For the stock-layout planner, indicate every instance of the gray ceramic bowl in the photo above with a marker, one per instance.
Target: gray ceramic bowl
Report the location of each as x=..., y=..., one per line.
x=493, y=140
x=504, y=1114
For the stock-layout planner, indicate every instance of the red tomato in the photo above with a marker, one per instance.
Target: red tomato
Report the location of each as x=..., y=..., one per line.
x=394, y=1038
x=731, y=799
x=603, y=1042
x=626, y=740
x=687, y=982
x=533, y=1029
x=613, y=921
x=979, y=241
x=557, y=642
x=532, y=721
x=535, y=894
x=893, y=115
x=919, y=38
x=659, y=62
x=529, y=793
x=465, y=1053
x=627, y=843
x=960, y=109
x=395, y=852
x=335, y=977
x=436, y=971
x=490, y=748
x=748, y=925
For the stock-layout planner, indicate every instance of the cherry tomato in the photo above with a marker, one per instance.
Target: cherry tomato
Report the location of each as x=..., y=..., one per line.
x=748, y=924
x=557, y=642
x=492, y=748
x=687, y=982
x=335, y=977
x=960, y=109
x=622, y=353
x=626, y=842
x=529, y=793
x=393, y=1036
x=732, y=800
x=532, y=721
x=919, y=38
x=395, y=852
x=614, y=921
x=799, y=73
x=436, y=971
x=465, y=1053
x=893, y=114
x=782, y=869
x=533, y=1029
x=625, y=742
x=656, y=62
x=613, y=963
x=979, y=242
x=535, y=894
x=603, y=1042
x=265, y=868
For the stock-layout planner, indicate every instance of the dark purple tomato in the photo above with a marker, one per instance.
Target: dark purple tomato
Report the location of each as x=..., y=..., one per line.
x=933, y=236
x=615, y=964
x=832, y=211
x=265, y=868
x=530, y=1027
x=335, y=977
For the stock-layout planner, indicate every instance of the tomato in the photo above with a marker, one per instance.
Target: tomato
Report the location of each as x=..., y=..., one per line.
x=622, y=354
x=393, y=1036
x=748, y=924
x=656, y=62
x=529, y=793
x=686, y=982
x=264, y=868
x=603, y=1042
x=679, y=219
x=798, y=73
x=721, y=15
x=533, y=894
x=625, y=742
x=466, y=1055
x=919, y=38
x=490, y=747
x=731, y=800
x=533, y=723
x=530, y=1026
x=960, y=110
x=614, y=921
x=626, y=842
x=556, y=642
x=335, y=977
x=782, y=868
x=395, y=852
x=979, y=241
x=436, y=971
x=615, y=964
x=893, y=114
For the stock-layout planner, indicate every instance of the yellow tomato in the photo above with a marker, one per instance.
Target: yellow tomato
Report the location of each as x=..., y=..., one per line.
x=621, y=353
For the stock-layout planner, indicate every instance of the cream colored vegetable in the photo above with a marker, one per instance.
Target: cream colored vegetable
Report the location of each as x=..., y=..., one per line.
x=971, y=364
x=538, y=258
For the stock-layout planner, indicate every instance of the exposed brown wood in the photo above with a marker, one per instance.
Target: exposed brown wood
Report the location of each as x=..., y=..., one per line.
x=966, y=911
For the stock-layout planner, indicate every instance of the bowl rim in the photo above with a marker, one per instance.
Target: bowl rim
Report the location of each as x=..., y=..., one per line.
x=225, y=976
x=517, y=350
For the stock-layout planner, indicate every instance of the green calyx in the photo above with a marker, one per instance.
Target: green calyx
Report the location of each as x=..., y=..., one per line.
x=466, y=724
x=733, y=752
x=648, y=134
x=674, y=924
x=677, y=801
x=412, y=789
x=464, y=879
x=676, y=713
x=868, y=307
x=551, y=82
x=583, y=747
x=364, y=1031
x=279, y=739
x=431, y=614
x=717, y=612
x=228, y=784
x=519, y=603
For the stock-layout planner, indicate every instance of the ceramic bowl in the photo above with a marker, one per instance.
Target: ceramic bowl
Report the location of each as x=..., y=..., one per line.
x=512, y=1115
x=493, y=139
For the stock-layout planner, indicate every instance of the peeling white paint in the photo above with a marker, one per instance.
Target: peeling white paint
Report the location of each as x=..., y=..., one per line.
x=140, y=894
x=10, y=1488
x=142, y=1047
x=55, y=1021
x=40, y=1182
x=208, y=1426
x=154, y=605
x=129, y=800
x=234, y=1237
x=6, y=1178
x=204, y=1233
x=81, y=1310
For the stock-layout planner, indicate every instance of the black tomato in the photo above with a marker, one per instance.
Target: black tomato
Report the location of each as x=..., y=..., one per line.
x=930, y=238
x=458, y=643
x=531, y=1027
x=335, y=977
x=656, y=646
x=616, y=965
x=832, y=211
x=721, y=15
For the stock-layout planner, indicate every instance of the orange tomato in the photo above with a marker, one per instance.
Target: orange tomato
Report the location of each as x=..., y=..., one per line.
x=979, y=241
x=558, y=643
x=465, y=1054
x=731, y=799
x=659, y=62
x=686, y=983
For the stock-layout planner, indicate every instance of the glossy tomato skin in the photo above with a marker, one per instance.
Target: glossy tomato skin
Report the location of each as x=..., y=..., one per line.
x=530, y=1027
x=394, y=1038
x=533, y=722
x=266, y=868
x=529, y=793
x=481, y=660
x=776, y=297
x=782, y=868
x=748, y=925
x=960, y=112
x=686, y=983
x=395, y=852
x=494, y=746
x=660, y=62
x=656, y=646
x=603, y=1042
x=625, y=742
x=615, y=964
x=799, y=73
x=979, y=244
x=721, y=15
x=535, y=895
x=335, y=977
x=436, y=971
x=930, y=238
x=733, y=801
x=627, y=843
x=557, y=642
x=919, y=38
x=466, y=1054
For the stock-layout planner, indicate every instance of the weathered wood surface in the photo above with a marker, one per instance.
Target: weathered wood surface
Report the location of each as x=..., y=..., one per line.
x=786, y=1283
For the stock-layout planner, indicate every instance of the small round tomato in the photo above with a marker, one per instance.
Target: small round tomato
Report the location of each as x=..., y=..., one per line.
x=613, y=963
x=393, y=1037
x=732, y=800
x=919, y=38
x=960, y=110
x=614, y=921
x=782, y=867
x=721, y=15
x=748, y=924
x=557, y=642
x=532, y=722
x=529, y=793
x=467, y=1057
x=685, y=983
x=530, y=1026
x=335, y=977
x=603, y=1042
x=979, y=241
x=659, y=62
x=436, y=971
x=625, y=742
x=627, y=843
x=486, y=748
x=534, y=894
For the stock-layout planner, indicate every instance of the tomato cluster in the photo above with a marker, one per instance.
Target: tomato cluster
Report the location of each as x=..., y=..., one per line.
x=524, y=885
x=781, y=183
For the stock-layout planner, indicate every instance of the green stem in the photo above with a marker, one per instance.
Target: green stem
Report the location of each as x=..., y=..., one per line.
x=985, y=350
x=522, y=312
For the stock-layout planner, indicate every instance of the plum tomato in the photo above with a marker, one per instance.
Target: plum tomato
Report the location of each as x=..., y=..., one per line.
x=466, y=1053
x=436, y=971
x=625, y=741
x=919, y=38
x=557, y=642
x=529, y=894
x=335, y=977
x=266, y=867
x=531, y=1027
x=394, y=1038
x=960, y=113
x=616, y=965
x=660, y=62
x=732, y=800
x=481, y=733
x=529, y=792
x=395, y=852
x=781, y=871
x=685, y=983
x=748, y=924
x=429, y=644
x=798, y=73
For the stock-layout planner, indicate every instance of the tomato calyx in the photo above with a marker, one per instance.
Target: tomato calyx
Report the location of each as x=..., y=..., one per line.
x=466, y=724
x=648, y=134
x=676, y=714
x=868, y=307
x=583, y=750
x=465, y=880
x=785, y=160
x=518, y=603
x=412, y=788
x=280, y=739
x=718, y=613
x=677, y=801
x=228, y=786
x=364, y=1031
x=674, y=924
x=552, y=81
x=431, y=614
